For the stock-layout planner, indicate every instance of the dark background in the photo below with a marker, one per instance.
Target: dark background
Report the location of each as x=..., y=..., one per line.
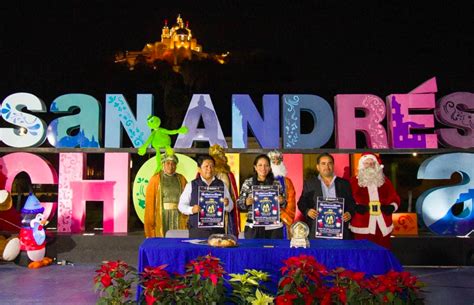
x=314, y=47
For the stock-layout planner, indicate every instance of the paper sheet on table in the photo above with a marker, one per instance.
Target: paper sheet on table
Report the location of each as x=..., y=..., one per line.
x=196, y=241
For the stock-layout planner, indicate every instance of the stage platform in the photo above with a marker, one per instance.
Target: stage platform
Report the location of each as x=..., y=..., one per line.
x=425, y=250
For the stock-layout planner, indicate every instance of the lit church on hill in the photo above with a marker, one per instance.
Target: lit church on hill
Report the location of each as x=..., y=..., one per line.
x=177, y=44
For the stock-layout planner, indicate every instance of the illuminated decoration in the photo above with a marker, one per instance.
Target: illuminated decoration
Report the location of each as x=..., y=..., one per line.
x=455, y=110
x=405, y=224
x=118, y=113
x=434, y=206
x=38, y=169
x=74, y=191
x=201, y=107
x=322, y=116
x=87, y=121
x=30, y=130
x=244, y=112
x=186, y=167
x=176, y=45
x=402, y=123
x=347, y=123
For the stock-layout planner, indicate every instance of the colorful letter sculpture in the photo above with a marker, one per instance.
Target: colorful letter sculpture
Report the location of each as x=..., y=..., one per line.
x=87, y=121
x=434, y=206
x=39, y=170
x=403, y=123
x=244, y=112
x=347, y=122
x=322, y=115
x=30, y=130
x=201, y=107
x=74, y=191
x=118, y=112
x=452, y=110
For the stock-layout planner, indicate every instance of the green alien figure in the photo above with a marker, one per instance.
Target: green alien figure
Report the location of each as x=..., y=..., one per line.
x=159, y=138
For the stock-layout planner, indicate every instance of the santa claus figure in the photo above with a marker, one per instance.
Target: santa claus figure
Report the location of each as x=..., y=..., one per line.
x=376, y=200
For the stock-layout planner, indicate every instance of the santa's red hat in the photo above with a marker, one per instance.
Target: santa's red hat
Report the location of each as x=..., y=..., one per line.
x=366, y=156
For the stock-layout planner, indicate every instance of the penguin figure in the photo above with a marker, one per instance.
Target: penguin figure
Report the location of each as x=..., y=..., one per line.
x=32, y=234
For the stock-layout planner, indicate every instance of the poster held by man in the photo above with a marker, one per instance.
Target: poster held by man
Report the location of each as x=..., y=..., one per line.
x=329, y=222
x=211, y=201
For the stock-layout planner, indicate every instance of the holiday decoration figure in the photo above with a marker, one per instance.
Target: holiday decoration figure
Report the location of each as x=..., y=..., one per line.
x=376, y=200
x=32, y=233
x=159, y=138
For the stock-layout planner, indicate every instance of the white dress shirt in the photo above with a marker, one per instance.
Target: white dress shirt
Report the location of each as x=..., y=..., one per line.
x=185, y=205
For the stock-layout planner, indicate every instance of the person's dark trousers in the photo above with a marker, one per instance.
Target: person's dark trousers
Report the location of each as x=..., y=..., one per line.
x=260, y=232
x=204, y=233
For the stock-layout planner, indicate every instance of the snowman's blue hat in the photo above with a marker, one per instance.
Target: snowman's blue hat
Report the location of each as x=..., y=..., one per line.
x=32, y=205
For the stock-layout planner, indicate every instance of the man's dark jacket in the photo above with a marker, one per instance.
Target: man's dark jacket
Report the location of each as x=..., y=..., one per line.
x=312, y=190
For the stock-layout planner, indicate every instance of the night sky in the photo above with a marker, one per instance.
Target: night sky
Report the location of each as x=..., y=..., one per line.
x=331, y=47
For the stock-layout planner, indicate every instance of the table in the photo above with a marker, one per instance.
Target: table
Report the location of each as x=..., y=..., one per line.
x=267, y=255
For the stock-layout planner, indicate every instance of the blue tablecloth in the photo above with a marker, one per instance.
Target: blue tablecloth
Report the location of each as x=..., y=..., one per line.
x=267, y=255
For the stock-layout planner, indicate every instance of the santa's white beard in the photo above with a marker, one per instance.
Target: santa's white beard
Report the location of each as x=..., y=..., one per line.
x=371, y=176
x=279, y=170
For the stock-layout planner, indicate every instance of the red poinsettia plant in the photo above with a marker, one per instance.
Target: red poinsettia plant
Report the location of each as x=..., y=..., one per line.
x=114, y=282
x=159, y=287
x=394, y=288
x=204, y=281
x=302, y=280
x=305, y=281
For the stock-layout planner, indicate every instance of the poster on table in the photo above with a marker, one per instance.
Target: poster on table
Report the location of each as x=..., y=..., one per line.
x=266, y=209
x=211, y=201
x=329, y=223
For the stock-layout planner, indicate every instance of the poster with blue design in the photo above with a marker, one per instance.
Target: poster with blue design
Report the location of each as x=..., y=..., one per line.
x=211, y=201
x=329, y=223
x=266, y=209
